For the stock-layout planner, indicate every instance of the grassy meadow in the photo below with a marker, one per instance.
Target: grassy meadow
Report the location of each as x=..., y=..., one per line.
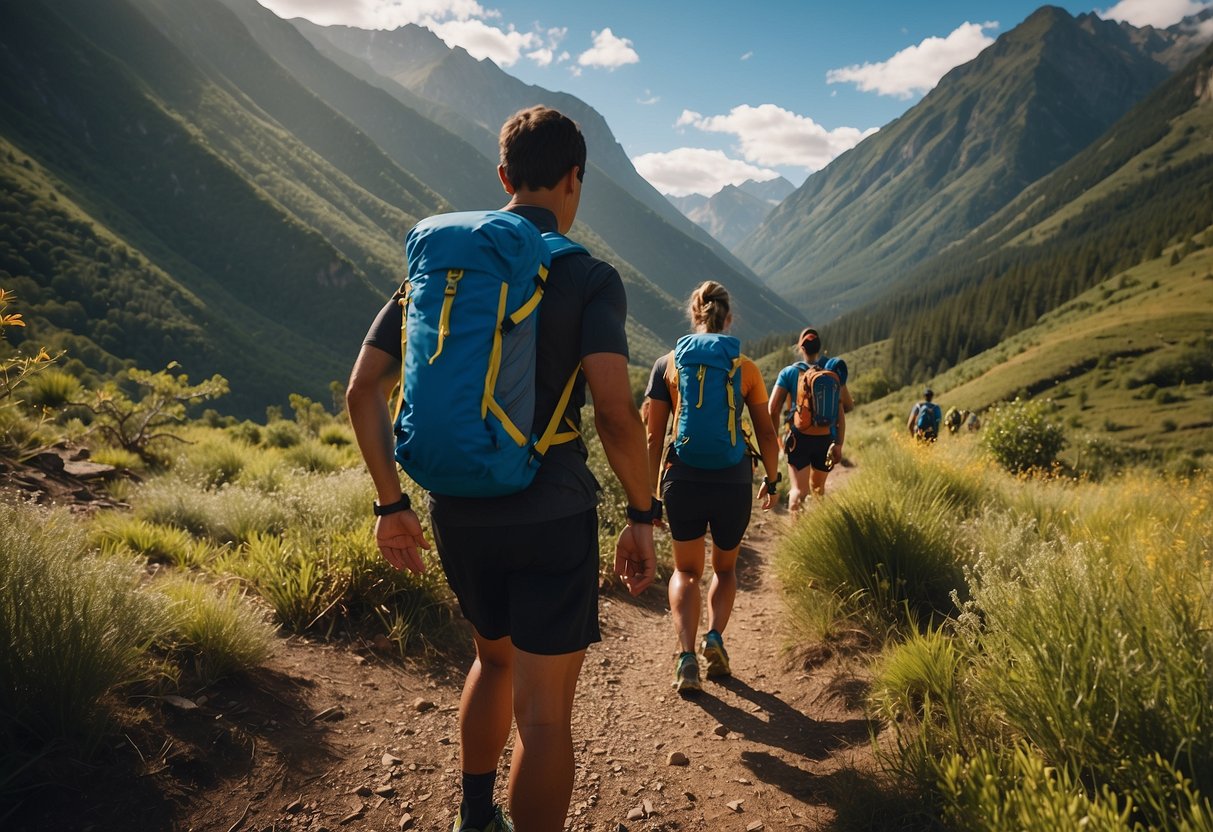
x=1046, y=642
x=1128, y=366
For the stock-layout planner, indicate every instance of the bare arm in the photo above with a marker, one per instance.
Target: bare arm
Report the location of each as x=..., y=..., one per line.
x=775, y=408
x=622, y=436
x=375, y=373
x=659, y=419
x=848, y=404
x=840, y=435
x=768, y=446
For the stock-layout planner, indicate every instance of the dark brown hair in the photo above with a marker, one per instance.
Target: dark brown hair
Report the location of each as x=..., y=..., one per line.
x=538, y=146
x=709, y=307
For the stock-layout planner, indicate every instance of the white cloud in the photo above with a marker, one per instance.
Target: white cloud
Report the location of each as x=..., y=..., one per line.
x=696, y=170
x=545, y=55
x=649, y=99
x=503, y=46
x=377, y=14
x=771, y=135
x=609, y=51
x=918, y=68
x=1158, y=13
x=747, y=55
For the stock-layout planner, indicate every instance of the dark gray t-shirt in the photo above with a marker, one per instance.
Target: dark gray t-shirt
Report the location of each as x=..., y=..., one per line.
x=583, y=312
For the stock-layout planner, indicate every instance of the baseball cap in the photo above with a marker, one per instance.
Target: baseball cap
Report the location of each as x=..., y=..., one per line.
x=809, y=334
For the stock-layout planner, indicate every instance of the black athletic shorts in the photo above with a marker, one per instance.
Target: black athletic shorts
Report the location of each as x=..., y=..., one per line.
x=535, y=582
x=807, y=451
x=692, y=507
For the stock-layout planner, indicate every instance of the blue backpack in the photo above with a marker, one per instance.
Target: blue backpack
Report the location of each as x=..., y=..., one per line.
x=707, y=370
x=929, y=415
x=818, y=398
x=467, y=393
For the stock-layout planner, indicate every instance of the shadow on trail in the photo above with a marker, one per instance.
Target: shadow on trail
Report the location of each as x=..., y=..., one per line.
x=778, y=724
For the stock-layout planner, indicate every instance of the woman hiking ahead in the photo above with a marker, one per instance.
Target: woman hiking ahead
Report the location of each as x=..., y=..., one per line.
x=706, y=479
x=817, y=398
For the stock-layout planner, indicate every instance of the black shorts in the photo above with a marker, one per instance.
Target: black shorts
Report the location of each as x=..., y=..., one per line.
x=807, y=451
x=692, y=507
x=536, y=582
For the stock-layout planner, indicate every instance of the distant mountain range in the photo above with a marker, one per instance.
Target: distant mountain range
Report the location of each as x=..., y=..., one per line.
x=1028, y=103
x=734, y=212
x=198, y=182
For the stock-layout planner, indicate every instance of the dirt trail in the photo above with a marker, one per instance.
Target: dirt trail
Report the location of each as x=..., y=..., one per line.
x=327, y=737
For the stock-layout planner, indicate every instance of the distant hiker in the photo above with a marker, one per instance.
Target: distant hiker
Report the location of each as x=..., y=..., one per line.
x=954, y=418
x=815, y=391
x=706, y=478
x=522, y=563
x=925, y=418
x=972, y=421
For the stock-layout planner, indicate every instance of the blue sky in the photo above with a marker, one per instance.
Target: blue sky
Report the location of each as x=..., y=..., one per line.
x=702, y=94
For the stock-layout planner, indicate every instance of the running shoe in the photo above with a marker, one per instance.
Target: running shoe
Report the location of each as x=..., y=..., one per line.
x=714, y=655
x=497, y=824
x=686, y=674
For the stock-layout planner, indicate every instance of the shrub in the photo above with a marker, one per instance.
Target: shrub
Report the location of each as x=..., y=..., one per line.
x=52, y=389
x=337, y=435
x=282, y=434
x=212, y=463
x=314, y=457
x=890, y=554
x=1022, y=436
x=247, y=432
x=72, y=628
x=218, y=632
x=118, y=458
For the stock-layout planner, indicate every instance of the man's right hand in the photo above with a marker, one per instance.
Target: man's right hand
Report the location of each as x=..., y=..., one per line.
x=635, y=560
x=399, y=537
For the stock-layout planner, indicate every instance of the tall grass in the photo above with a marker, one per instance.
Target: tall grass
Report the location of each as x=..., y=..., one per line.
x=216, y=631
x=889, y=548
x=1074, y=689
x=72, y=627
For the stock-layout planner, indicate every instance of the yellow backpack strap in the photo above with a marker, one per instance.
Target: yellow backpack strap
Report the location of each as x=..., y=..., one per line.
x=552, y=435
x=732, y=399
x=402, y=297
x=444, y=319
x=487, y=401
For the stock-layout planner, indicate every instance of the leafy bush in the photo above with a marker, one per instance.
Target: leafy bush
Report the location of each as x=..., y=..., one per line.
x=1022, y=436
x=212, y=463
x=338, y=435
x=247, y=432
x=218, y=632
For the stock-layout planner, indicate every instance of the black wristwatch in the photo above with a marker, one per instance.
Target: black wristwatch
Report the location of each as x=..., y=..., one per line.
x=771, y=483
x=403, y=504
x=635, y=515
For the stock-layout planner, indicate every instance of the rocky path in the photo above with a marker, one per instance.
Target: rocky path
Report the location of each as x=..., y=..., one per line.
x=331, y=738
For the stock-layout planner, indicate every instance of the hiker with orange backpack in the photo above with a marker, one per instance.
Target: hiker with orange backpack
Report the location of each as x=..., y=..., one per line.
x=815, y=391
x=706, y=477
x=494, y=337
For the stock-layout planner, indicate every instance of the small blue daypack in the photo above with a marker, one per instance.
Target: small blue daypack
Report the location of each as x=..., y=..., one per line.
x=929, y=416
x=464, y=424
x=707, y=370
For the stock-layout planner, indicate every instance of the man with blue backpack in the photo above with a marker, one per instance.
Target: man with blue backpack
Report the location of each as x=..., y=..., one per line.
x=925, y=418
x=493, y=337
x=815, y=392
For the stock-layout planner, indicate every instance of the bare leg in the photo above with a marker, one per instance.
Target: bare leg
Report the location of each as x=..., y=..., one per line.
x=723, y=589
x=541, y=772
x=485, y=707
x=817, y=481
x=799, y=488
x=684, y=591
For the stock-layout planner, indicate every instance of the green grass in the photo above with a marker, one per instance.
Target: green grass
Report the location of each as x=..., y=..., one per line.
x=216, y=632
x=1071, y=687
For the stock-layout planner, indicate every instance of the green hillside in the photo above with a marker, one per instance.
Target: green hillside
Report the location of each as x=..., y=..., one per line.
x=1146, y=185
x=1041, y=93
x=270, y=258
x=640, y=225
x=1129, y=363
